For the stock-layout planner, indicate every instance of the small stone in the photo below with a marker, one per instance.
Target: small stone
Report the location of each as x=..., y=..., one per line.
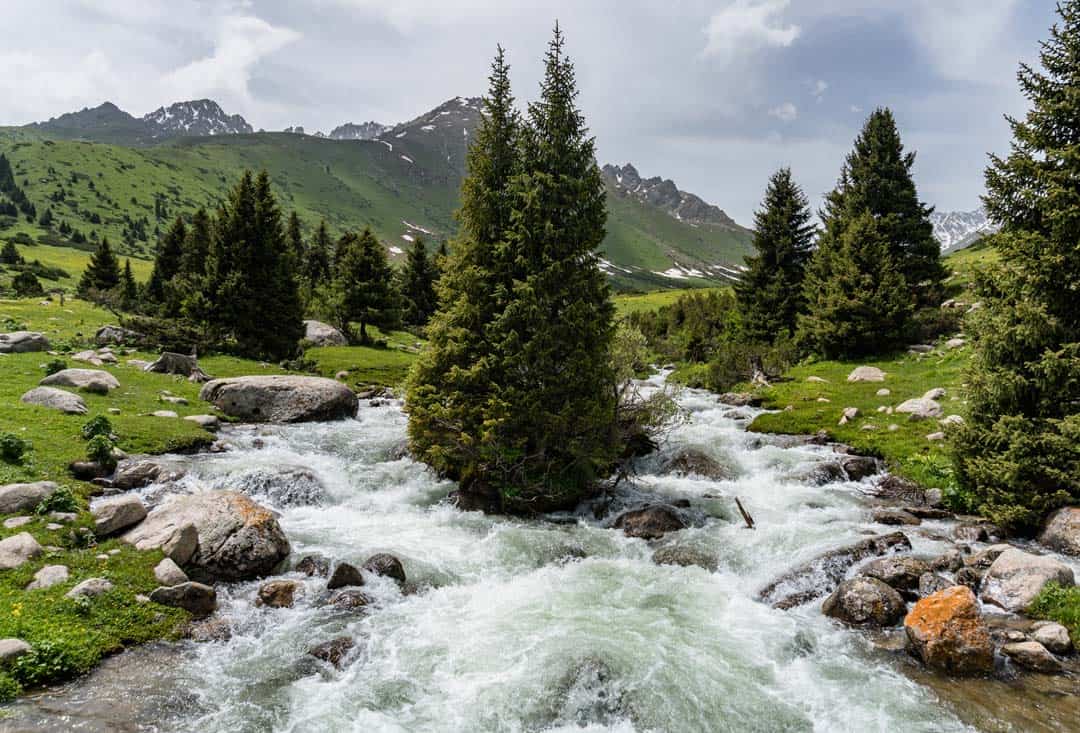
x=951, y=420
x=332, y=651
x=823, y=399
x=385, y=564
x=279, y=593
x=163, y=413
x=168, y=573
x=936, y=437
x=64, y=517
x=935, y=394
x=197, y=599
x=14, y=522
x=206, y=422
x=849, y=414
x=174, y=400
x=1032, y=655
x=101, y=557
x=955, y=343
x=931, y=583
x=49, y=576
x=114, y=410
x=90, y=588
x=349, y=599
x=895, y=517
x=893, y=427
x=1054, y=637
x=950, y=561
x=866, y=374
x=11, y=649
x=883, y=392
x=314, y=565
x=114, y=552
x=344, y=575
x=53, y=526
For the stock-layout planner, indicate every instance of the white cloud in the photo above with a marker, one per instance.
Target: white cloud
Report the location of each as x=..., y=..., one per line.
x=786, y=112
x=748, y=24
x=819, y=89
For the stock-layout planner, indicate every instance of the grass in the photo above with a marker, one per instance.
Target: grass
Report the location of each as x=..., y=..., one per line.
x=1060, y=604
x=628, y=303
x=73, y=262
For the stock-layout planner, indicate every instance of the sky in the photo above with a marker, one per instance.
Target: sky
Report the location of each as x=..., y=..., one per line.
x=714, y=94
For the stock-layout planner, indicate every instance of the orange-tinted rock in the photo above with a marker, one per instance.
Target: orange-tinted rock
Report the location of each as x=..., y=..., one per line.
x=947, y=631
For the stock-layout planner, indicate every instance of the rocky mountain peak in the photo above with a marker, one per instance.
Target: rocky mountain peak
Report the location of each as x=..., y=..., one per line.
x=200, y=117
x=362, y=131
x=958, y=229
x=664, y=194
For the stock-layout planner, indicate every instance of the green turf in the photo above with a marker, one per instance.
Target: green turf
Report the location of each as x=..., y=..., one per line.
x=1060, y=604
x=628, y=303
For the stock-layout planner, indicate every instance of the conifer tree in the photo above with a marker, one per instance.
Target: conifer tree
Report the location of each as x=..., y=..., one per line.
x=129, y=291
x=418, y=278
x=102, y=274
x=770, y=292
x=857, y=302
x=26, y=285
x=295, y=238
x=9, y=255
x=197, y=245
x=316, y=266
x=167, y=262
x=1019, y=452
x=363, y=289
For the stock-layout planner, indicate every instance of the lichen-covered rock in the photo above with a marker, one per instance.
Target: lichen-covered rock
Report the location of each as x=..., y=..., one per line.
x=55, y=399
x=1062, y=531
x=864, y=601
x=947, y=632
x=281, y=398
x=1017, y=577
x=94, y=381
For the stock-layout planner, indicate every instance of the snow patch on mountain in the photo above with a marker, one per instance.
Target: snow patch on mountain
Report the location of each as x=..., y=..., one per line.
x=958, y=229
x=354, y=131
x=198, y=118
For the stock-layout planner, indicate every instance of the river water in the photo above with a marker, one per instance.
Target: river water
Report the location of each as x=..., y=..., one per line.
x=520, y=625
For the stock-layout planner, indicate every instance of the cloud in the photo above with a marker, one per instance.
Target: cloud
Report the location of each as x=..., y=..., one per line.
x=819, y=89
x=786, y=112
x=746, y=25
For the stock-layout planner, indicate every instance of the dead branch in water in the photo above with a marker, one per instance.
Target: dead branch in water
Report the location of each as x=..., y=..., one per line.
x=745, y=514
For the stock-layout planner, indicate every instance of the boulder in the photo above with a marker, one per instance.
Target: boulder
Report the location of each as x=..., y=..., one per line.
x=90, y=588
x=899, y=572
x=55, y=399
x=1032, y=655
x=693, y=462
x=1062, y=531
x=931, y=583
x=118, y=335
x=18, y=549
x=11, y=649
x=279, y=593
x=866, y=374
x=344, y=575
x=21, y=342
x=49, y=576
x=197, y=599
x=323, y=334
x=864, y=601
x=949, y=561
x=1016, y=578
x=168, y=573
x=935, y=394
x=385, y=565
x=859, y=467
x=895, y=517
x=206, y=422
x=741, y=399
x=333, y=651
x=1054, y=637
x=182, y=544
x=819, y=576
x=94, y=381
x=172, y=363
x=237, y=538
x=117, y=513
x=281, y=486
x=24, y=497
x=135, y=473
x=920, y=409
x=685, y=556
x=349, y=599
x=947, y=632
x=984, y=558
x=314, y=565
x=977, y=531
x=281, y=398
x=651, y=522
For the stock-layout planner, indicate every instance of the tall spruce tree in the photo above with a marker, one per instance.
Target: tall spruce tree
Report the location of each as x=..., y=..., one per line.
x=316, y=266
x=9, y=255
x=1019, y=452
x=129, y=290
x=363, y=289
x=197, y=245
x=770, y=292
x=295, y=238
x=167, y=262
x=418, y=278
x=102, y=274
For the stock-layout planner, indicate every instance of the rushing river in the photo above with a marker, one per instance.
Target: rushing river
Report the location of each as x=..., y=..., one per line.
x=517, y=625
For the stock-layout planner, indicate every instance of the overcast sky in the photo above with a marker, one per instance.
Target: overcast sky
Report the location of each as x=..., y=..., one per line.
x=714, y=94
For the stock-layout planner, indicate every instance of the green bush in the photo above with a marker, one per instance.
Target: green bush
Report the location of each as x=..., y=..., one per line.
x=99, y=450
x=61, y=500
x=1060, y=604
x=96, y=426
x=9, y=688
x=13, y=448
x=47, y=661
x=54, y=366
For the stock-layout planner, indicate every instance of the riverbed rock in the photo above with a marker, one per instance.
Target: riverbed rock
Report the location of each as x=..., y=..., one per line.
x=24, y=497
x=901, y=572
x=279, y=593
x=1032, y=655
x=928, y=512
x=323, y=334
x=206, y=422
x=314, y=565
x=286, y=486
x=949, y=561
x=694, y=462
x=920, y=409
x=196, y=598
x=651, y=522
x=970, y=577
x=741, y=399
x=1016, y=578
x=946, y=631
x=984, y=558
x=821, y=575
x=281, y=398
x=864, y=601
x=931, y=583
x=181, y=544
x=135, y=473
x=859, y=467
x=344, y=575
x=55, y=399
x=894, y=488
x=22, y=342
x=866, y=374
x=1054, y=637
x=18, y=549
x=1062, y=531
x=237, y=538
x=977, y=531
x=349, y=599
x=385, y=565
x=117, y=513
x=94, y=381
x=49, y=576
x=333, y=651
x=90, y=588
x=896, y=517
x=168, y=573
x=685, y=556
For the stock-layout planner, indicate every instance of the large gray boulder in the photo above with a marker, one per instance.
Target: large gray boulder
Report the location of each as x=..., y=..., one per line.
x=49, y=576
x=95, y=381
x=920, y=409
x=323, y=334
x=197, y=599
x=117, y=513
x=866, y=374
x=24, y=497
x=17, y=549
x=1033, y=656
x=1016, y=577
x=116, y=335
x=865, y=601
x=183, y=364
x=1062, y=531
x=901, y=572
x=237, y=538
x=55, y=399
x=21, y=342
x=281, y=398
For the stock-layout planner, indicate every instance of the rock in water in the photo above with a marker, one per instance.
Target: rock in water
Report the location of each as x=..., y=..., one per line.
x=651, y=522
x=1032, y=655
x=323, y=334
x=197, y=599
x=344, y=575
x=1016, y=577
x=24, y=497
x=901, y=573
x=864, y=601
x=94, y=381
x=55, y=399
x=820, y=576
x=282, y=487
x=333, y=651
x=1062, y=531
x=314, y=565
x=947, y=632
x=690, y=461
x=279, y=593
x=1054, y=637
x=385, y=565
x=895, y=517
x=17, y=549
x=237, y=538
x=21, y=342
x=281, y=398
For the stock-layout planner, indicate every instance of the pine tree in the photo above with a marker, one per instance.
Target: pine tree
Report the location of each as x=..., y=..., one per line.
x=418, y=278
x=1019, y=452
x=197, y=245
x=295, y=238
x=102, y=274
x=770, y=292
x=167, y=263
x=129, y=291
x=9, y=255
x=316, y=266
x=26, y=285
x=857, y=302
x=363, y=289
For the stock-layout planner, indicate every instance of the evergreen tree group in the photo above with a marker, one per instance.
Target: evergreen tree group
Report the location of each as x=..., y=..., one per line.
x=362, y=288
x=515, y=395
x=1019, y=452
x=417, y=285
x=102, y=274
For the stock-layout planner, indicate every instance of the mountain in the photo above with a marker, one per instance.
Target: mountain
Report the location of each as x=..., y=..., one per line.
x=353, y=131
x=403, y=184
x=958, y=229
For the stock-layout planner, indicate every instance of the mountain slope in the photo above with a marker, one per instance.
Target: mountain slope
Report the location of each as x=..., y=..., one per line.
x=958, y=229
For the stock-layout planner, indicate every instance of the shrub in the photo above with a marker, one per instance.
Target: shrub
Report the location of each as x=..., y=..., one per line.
x=96, y=426
x=100, y=450
x=26, y=285
x=61, y=500
x=54, y=366
x=47, y=661
x=13, y=448
x=9, y=688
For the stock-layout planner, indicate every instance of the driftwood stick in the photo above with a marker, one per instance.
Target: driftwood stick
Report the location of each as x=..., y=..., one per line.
x=745, y=514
